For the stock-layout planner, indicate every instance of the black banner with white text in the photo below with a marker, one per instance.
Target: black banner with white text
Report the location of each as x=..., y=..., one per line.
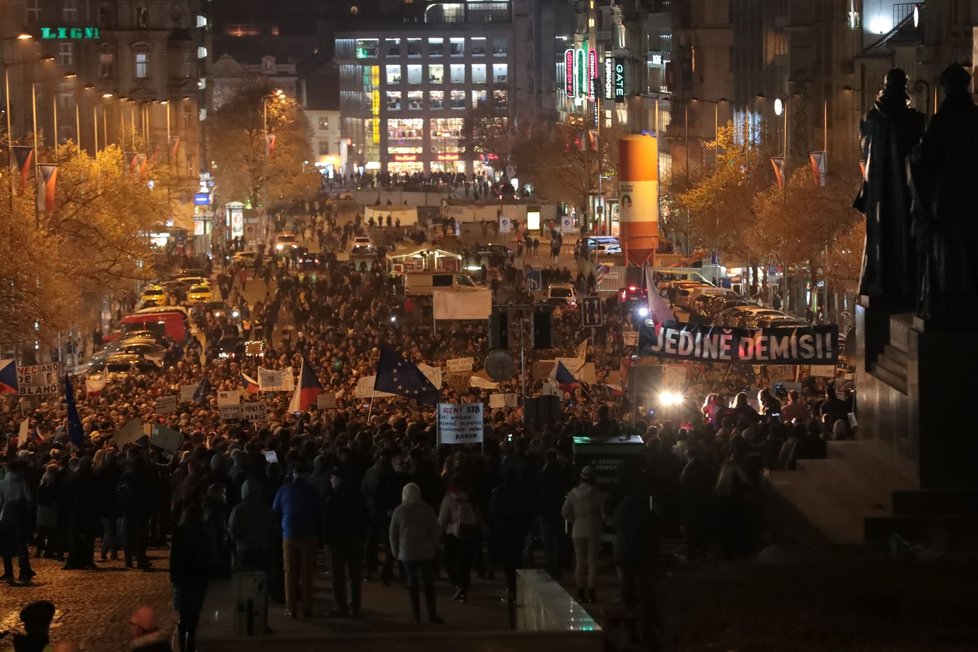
x=697, y=343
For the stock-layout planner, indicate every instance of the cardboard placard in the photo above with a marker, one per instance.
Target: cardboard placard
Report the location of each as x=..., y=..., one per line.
x=255, y=412
x=187, y=393
x=459, y=365
x=326, y=401
x=460, y=423
x=166, y=405
x=232, y=397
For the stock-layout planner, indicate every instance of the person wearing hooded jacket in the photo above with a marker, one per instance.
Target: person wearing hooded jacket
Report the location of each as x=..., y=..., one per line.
x=582, y=509
x=459, y=518
x=414, y=536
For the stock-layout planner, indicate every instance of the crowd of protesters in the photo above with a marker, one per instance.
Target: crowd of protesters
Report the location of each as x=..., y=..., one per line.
x=366, y=481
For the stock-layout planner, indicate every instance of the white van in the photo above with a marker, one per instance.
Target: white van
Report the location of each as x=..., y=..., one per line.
x=425, y=283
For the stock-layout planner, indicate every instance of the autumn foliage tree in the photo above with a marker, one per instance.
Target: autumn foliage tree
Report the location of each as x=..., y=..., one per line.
x=247, y=167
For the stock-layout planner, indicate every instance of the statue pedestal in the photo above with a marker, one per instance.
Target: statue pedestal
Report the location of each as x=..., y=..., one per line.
x=915, y=392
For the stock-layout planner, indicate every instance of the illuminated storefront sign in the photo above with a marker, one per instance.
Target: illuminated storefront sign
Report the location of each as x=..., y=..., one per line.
x=619, y=80
x=448, y=157
x=405, y=158
x=71, y=33
x=375, y=103
x=609, y=78
x=592, y=73
x=569, y=72
x=580, y=73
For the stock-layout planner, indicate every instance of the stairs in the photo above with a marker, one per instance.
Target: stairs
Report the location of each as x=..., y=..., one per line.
x=837, y=495
x=890, y=364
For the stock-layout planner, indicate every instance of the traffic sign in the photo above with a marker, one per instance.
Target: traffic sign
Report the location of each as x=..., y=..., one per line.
x=534, y=280
x=591, y=316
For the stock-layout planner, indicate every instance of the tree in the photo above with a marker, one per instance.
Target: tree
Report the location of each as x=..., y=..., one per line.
x=58, y=265
x=718, y=205
x=487, y=131
x=800, y=226
x=562, y=163
x=249, y=168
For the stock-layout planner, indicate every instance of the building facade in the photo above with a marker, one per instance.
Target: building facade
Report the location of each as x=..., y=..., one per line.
x=329, y=147
x=407, y=91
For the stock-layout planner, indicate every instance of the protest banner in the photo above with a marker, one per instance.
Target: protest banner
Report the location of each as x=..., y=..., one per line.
x=459, y=365
x=166, y=405
x=39, y=379
x=231, y=397
x=276, y=380
x=460, y=423
x=255, y=411
x=166, y=438
x=230, y=412
x=187, y=393
x=502, y=400
x=792, y=345
x=326, y=401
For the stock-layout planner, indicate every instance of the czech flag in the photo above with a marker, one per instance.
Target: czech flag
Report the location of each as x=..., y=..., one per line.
x=564, y=378
x=307, y=390
x=249, y=384
x=8, y=377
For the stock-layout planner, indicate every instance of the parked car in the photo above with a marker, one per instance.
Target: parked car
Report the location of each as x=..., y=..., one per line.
x=562, y=294
x=285, y=242
x=122, y=365
x=152, y=295
x=362, y=245
x=200, y=293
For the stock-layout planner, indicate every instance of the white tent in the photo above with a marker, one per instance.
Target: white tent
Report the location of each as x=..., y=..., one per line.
x=427, y=259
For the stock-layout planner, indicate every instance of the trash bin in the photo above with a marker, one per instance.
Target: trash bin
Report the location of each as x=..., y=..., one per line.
x=251, y=614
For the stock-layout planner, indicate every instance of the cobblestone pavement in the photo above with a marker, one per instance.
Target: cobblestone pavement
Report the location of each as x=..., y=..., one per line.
x=93, y=607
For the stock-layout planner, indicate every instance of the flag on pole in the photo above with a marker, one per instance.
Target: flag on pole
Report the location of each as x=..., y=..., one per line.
x=818, y=162
x=592, y=139
x=660, y=311
x=564, y=378
x=174, y=146
x=24, y=156
x=8, y=377
x=269, y=144
x=249, y=384
x=777, y=162
x=76, y=433
x=396, y=375
x=47, y=185
x=308, y=389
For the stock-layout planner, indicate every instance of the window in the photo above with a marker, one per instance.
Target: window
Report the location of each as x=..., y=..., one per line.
x=436, y=99
x=69, y=10
x=479, y=47
x=393, y=74
x=457, y=73
x=393, y=100
x=479, y=98
x=456, y=47
x=324, y=148
x=499, y=99
x=414, y=47
x=436, y=46
x=189, y=64
x=458, y=99
x=33, y=12
x=142, y=17
x=436, y=73
x=479, y=73
x=414, y=74
x=366, y=48
x=415, y=100
x=323, y=123
x=499, y=75
x=66, y=53
x=499, y=46
x=106, y=65
x=392, y=47
x=142, y=65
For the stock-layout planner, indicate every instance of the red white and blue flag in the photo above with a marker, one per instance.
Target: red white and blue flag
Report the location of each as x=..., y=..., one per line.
x=307, y=390
x=249, y=384
x=563, y=377
x=660, y=312
x=8, y=377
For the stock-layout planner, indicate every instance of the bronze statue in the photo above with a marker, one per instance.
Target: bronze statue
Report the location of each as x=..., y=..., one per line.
x=944, y=178
x=888, y=133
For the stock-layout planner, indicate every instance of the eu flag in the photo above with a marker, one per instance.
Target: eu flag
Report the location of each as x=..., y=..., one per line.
x=76, y=433
x=395, y=375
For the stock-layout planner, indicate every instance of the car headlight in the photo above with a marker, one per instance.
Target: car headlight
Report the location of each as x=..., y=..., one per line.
x=279, y=246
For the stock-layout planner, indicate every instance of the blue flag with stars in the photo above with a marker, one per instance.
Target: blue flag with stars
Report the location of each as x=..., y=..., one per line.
x=395, y=375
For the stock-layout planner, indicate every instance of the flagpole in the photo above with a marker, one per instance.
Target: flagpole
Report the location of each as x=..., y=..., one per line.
x=370, y=409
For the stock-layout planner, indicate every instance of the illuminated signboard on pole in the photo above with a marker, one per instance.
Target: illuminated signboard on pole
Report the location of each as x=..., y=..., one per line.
x=619, y=79
x=592, y=73
x=569, y=72
x=580, y=73
x=609, y=78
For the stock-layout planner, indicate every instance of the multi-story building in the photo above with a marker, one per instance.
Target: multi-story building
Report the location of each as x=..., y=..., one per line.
x=124, y=72
x=407, y=90
x=328, y=145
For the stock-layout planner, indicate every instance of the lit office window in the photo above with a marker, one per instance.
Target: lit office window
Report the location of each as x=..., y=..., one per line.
x=393, y=74
x=66, y=54
x=436, y=99
x=393, y=100
x=479, y=47
x=414, y=47
x=414, y=74
x=392, y=47
x=142, y=65
x=458, y=99
x=479, y=73
x=457, y=73
x=499, y=46
x=456, y=47
x=415, y=100
x=436, y=47
x=436, y=73
x=499, y=73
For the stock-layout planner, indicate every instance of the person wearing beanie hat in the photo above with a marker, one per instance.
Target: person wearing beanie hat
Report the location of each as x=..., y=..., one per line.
x=144, y=635
x=582, y=509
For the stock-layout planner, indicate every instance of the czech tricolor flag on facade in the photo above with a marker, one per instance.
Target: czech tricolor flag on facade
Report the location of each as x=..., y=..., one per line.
x=307, y=390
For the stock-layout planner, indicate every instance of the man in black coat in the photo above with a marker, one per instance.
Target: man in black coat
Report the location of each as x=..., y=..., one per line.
x=82, y=488
x=344, y=523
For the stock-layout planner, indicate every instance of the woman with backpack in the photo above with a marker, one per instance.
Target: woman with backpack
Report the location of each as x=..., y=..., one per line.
x=460, y=520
